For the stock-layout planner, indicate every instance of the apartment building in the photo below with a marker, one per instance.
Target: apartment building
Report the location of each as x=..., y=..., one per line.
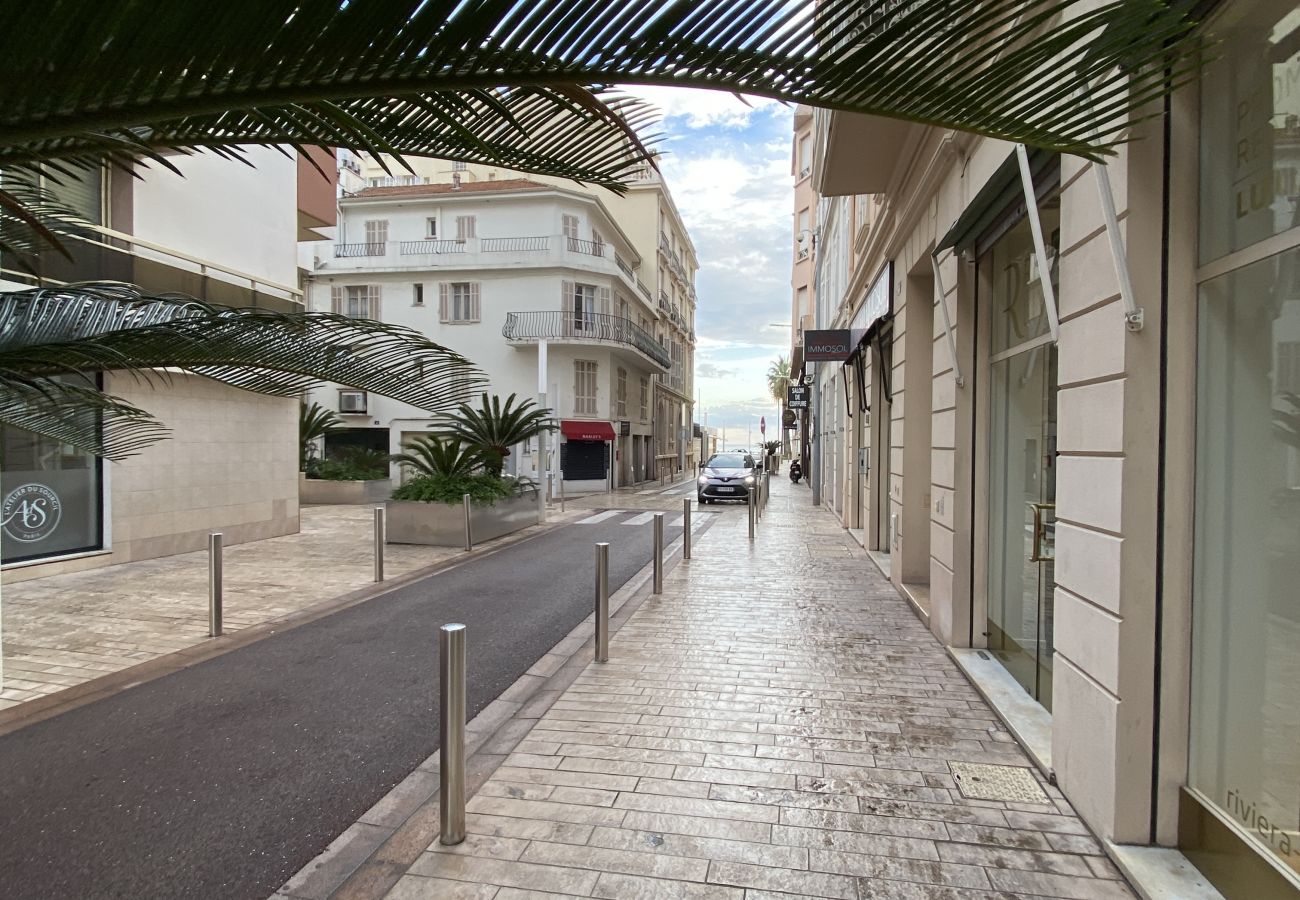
x=583, y=295
x=1064, y=421
x=225, y=232
x=803, y=266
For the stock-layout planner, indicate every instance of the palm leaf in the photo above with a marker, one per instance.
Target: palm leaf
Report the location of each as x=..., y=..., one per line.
x=95, y=328
x=493, y=428
x=439, y=457
x=1005, y=68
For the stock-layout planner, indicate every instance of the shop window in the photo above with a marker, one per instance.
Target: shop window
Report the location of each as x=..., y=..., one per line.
x=51, y=496
x=1246, y=609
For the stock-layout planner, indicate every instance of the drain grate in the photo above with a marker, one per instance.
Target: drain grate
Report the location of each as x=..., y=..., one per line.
x=1010, y=784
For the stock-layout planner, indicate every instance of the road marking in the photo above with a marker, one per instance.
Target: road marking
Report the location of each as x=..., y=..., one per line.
x=642, y=519
x=600, y=517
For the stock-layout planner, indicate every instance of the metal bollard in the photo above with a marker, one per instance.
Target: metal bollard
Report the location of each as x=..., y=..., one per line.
x=469, y=532
x=757, y=491
x=753, y=513
x=451, y=733
x=379, y=543
x=659, y=553
x=550, y=487
x=686, y=528
x=214, y=584
x=602, y=602
x=561, y=492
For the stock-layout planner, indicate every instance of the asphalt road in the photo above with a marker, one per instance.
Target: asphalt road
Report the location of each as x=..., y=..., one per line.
x=223, y=780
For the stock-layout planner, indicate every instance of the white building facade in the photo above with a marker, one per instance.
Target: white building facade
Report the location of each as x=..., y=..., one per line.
x=536, y=284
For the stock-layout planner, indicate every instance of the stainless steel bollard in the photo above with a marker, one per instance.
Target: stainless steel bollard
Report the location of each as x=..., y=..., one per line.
x=379, y=543
x=561, y=492
x=451, y=733
x=659, y=553
x=753, y=513
x=214, y=584
x=602, y=602
x=686, y=528
x=550, y=487
x=469, y=531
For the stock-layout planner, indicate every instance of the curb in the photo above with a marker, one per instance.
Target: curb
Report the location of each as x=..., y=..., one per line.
x=366, y=860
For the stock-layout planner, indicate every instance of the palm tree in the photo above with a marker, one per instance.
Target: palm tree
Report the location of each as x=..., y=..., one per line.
x=51, y=337
x=314, y=422
x=778, y=378
x=513, y=83
x=432, y=456
x=494, y=428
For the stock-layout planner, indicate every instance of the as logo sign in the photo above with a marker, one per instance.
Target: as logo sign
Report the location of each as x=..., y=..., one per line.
x=30, y=513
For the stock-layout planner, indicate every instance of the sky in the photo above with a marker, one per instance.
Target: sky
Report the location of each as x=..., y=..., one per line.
x=727, y=163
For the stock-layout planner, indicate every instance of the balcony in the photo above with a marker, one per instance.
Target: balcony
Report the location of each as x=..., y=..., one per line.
x=562, y=327
x=664, y=305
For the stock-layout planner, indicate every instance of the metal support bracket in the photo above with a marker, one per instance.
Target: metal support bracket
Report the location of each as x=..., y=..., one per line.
x=947, y=322
x=1134, y=317
x=1040, y=248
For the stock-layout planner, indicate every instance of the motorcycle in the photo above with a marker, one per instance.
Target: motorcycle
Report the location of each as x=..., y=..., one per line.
x=796, y=471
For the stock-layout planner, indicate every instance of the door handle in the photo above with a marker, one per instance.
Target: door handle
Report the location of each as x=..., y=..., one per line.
x=1040, y=532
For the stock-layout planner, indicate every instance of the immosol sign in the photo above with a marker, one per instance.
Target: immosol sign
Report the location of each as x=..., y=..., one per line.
x=833, y=345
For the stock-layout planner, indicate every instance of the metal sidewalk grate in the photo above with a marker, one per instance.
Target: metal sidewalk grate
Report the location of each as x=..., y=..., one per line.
x=1010, y=784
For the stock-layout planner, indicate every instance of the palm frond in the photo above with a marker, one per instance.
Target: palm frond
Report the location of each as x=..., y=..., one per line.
x=434, y=456
x=1005, y=68
x=82, y=416
x=84, y=329
x=493, y=428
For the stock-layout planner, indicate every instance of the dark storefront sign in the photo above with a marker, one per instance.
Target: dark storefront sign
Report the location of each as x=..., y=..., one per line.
x=796, y=396
x=832, y=345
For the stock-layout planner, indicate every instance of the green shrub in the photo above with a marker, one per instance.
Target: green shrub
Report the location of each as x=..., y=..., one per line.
x=351, y=464
x=482, y=488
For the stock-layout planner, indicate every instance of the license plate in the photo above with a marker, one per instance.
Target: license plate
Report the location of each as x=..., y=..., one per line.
x=726, y=490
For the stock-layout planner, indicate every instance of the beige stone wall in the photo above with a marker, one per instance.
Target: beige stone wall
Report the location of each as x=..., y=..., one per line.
x=230, y=465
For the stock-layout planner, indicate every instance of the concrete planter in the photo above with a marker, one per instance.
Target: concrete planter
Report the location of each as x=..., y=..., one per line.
x=320, y=491
x=443, y=524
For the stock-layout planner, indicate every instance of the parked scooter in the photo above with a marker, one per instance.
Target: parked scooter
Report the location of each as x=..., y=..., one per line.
x=796, y=471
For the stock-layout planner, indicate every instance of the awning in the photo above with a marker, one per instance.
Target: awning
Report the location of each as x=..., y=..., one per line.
x=1001, y=189
x=576, y=430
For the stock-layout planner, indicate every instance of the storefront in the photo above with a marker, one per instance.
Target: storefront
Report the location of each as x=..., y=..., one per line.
x=1240, y=812
x=585, y=453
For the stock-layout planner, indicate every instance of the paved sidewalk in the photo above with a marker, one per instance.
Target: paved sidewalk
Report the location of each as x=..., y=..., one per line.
x=777, y=723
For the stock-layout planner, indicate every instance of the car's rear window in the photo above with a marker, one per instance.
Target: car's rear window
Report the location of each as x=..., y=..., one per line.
x=728, y=461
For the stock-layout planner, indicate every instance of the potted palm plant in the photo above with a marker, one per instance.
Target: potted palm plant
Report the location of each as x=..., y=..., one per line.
x=351, y=476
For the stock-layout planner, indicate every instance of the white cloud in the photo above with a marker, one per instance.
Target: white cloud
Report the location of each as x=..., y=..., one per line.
x=696, y=108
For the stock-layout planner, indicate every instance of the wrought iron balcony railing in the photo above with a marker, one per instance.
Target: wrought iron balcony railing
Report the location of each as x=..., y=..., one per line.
x=370, y=248
x=430, y=245
x=567, y=325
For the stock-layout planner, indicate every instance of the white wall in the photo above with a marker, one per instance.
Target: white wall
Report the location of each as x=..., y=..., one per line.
x=244, y=217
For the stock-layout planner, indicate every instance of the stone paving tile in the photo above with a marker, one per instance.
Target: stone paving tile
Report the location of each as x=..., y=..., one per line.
x=64, y=630
x=777, y=723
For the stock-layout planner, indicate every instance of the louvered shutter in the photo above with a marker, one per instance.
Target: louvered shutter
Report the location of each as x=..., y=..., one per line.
x=336, y=299
x=444, y=292
x=604, y=301
x=372, y=301
x=474, y=301
x=465, y=227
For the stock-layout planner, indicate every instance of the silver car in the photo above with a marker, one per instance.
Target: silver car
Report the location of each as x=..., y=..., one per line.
x=726, y=476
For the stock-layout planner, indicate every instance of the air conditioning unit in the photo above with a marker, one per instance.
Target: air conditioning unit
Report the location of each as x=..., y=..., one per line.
x=352, y=402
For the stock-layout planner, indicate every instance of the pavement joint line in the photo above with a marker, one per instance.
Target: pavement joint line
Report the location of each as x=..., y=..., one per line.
x=375, y=873
x=37, y=710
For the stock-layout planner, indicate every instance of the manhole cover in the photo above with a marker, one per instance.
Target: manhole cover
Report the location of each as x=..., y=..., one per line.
x=1010, y=784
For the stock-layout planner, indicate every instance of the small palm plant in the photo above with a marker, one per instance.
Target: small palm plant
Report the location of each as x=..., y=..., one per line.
x=314, y=422
x=433, y=456
x=493, y=428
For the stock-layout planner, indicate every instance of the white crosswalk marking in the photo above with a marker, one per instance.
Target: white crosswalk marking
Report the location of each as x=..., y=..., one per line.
x=600, y=517
x=638, y=520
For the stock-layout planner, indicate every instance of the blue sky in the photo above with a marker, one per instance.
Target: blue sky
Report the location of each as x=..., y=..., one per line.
x=728, y=166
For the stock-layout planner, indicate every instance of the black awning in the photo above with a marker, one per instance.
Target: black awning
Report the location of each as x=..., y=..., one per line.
x=1000, y=190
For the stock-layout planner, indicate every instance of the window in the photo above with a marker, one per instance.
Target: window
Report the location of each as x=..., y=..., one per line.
x=620, y=396
x=580, y=300
x=376, y=236
x=458, y=302
x=466, y=228
x=459, y=166
x=361, y=301
x=431, y=228
x=645, y=399
x=417, y=294
x=805, y=155
x=598, y=242
x=410, y=180
x=352, y=402
x=584, y=387
x=571, y=231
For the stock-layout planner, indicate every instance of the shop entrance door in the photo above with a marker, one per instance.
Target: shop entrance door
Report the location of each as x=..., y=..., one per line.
x=1022, y=522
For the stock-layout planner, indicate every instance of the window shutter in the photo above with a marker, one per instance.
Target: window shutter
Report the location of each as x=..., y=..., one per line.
x=570, y=226
x=604, y=301
x=465, y=227
x=566, y=296
x=372, y=301
x=336, y=299
x=444, y=291
x=474, y=301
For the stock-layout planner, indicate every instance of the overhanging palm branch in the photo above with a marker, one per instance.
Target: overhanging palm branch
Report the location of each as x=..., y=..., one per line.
x=493, y=428
x=506, y=81
x=439, y=457
x=314, y=422
x=84, y=329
